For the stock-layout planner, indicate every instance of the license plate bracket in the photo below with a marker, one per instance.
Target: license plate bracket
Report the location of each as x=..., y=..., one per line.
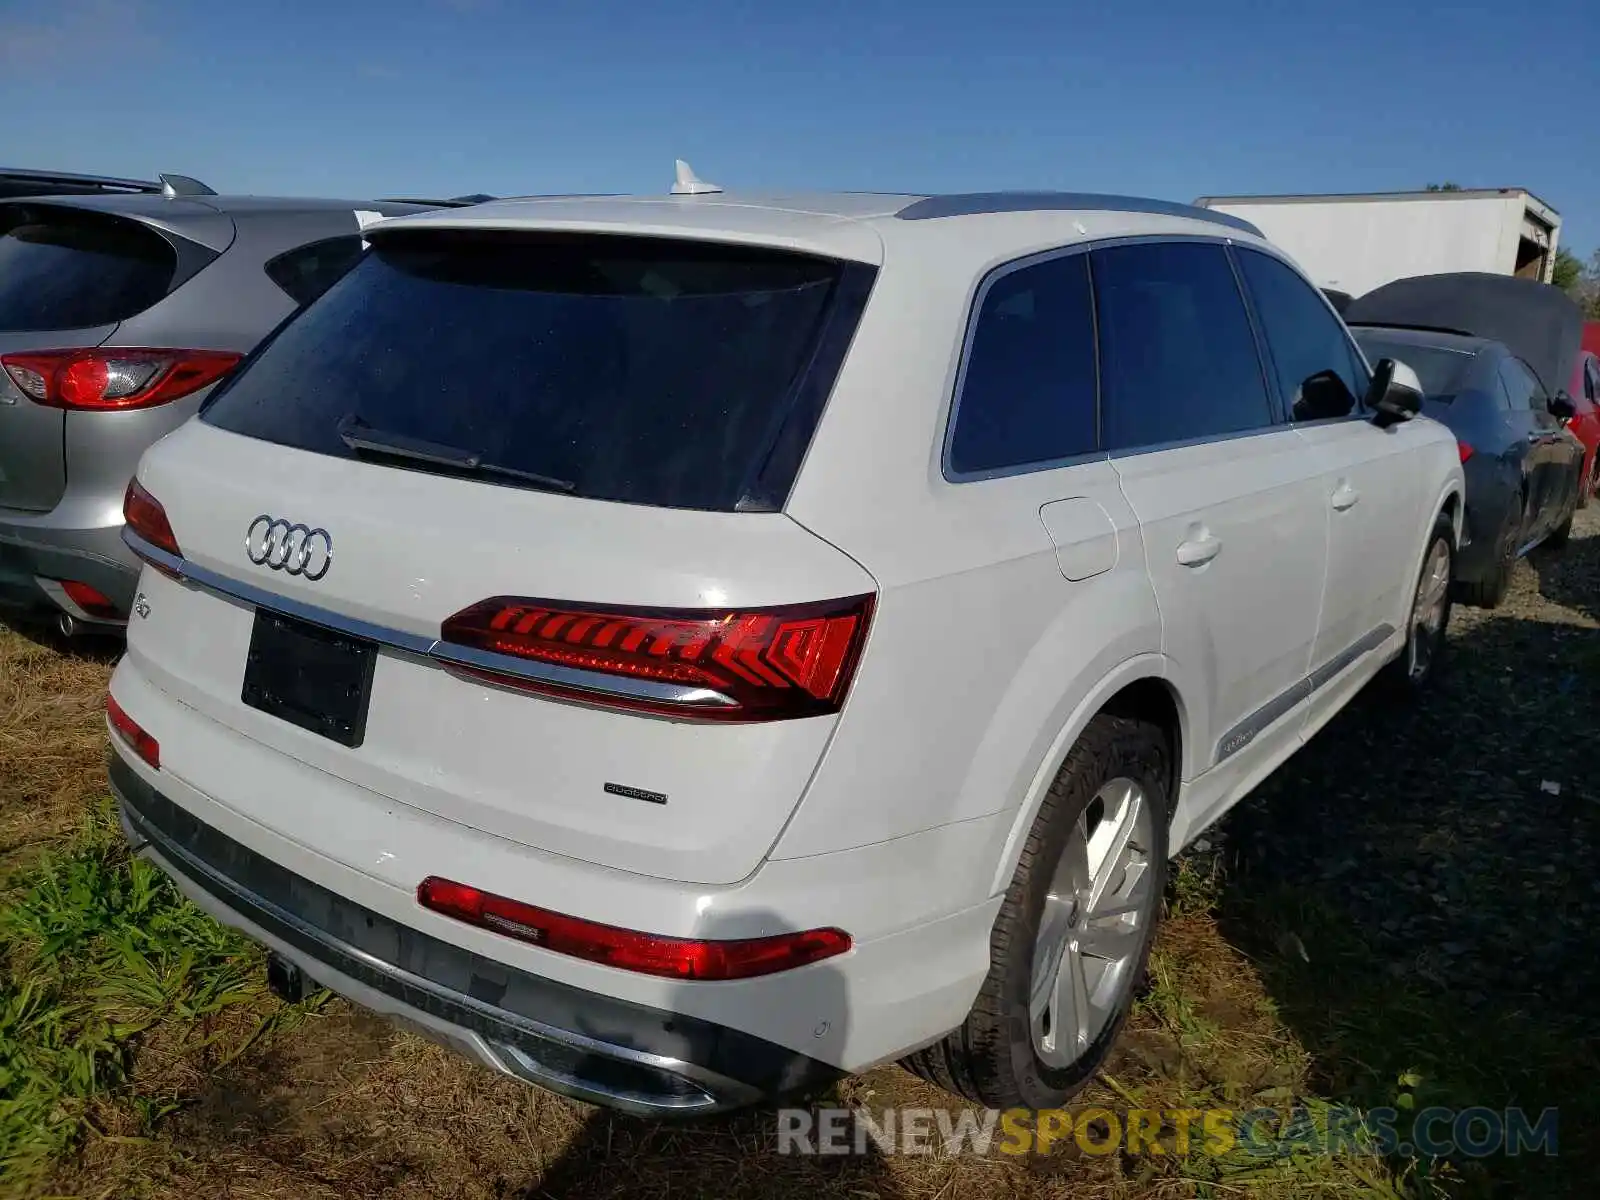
x=310, y=676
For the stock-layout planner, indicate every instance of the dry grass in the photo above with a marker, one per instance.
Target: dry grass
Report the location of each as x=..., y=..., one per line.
x=342, y=1105
x=52, y=739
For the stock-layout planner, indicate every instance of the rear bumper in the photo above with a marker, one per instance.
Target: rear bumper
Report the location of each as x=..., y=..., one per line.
x=582, y=1044
x=1490, y=493
x=63, y=545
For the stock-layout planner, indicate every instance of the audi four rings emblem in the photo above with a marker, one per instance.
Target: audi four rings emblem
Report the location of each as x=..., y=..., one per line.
x=279, y=545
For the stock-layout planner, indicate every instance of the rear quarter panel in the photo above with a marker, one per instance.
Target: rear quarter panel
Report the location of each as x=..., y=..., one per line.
x=982, y=655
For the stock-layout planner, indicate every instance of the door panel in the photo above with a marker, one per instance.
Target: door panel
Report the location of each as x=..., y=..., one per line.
x=1235, y=534
x=1532, y=426
x=1367, y=494
x=1370, y=496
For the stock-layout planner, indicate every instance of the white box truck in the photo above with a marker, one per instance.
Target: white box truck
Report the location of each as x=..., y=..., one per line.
x=1354, y=243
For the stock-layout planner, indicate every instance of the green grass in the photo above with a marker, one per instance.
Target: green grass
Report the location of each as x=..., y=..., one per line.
x=102, y=957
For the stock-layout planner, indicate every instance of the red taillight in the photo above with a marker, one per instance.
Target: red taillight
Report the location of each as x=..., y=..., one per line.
x=675, y=958
x=130, y=731
x=114, y=379
x=744, y=665
x=146, y=517
x=92, y=600
x=1464, y=450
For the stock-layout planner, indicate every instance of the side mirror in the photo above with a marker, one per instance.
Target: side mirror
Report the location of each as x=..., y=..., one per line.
x=1561, y=407
x=1395, y=394
x=1323, y=396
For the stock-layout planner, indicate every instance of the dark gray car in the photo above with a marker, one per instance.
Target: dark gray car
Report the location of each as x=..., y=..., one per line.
x=1494, y=353
x=1522, y=466
x=118, y=311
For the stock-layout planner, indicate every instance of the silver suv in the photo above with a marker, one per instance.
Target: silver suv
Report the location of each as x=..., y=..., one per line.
x=117, y=314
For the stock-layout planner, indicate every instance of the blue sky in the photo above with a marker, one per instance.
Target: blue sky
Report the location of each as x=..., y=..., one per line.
x=441, y=97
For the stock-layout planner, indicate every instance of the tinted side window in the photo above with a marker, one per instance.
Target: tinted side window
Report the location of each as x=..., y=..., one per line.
x=1028, y=393
x=1522, y=388
x=308, y=271
x=1311, y=355
x=1177, y=355
x=64, y=269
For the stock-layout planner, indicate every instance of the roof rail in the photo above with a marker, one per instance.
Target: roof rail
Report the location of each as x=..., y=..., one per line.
x=173, y=186
x=453, y=202
x=973, y=203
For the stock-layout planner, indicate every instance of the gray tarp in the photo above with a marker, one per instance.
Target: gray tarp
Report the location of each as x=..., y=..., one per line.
x=1540, y=323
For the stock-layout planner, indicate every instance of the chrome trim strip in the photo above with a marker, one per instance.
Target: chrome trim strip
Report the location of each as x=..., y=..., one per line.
x=424, y=646
x=1242, y=734
x=180, y=861
x=575, y=677
x=249, y=593
x=1335, y=666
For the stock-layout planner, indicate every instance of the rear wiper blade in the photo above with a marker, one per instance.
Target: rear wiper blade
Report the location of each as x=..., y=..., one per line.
x=358, y=435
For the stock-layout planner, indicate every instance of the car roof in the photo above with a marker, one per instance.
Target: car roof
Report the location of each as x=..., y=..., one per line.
x=855, y=225
x=213, y=221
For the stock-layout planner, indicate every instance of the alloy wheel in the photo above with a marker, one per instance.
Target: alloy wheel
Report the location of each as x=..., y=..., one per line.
x=1097, y=912
x=1428, y=610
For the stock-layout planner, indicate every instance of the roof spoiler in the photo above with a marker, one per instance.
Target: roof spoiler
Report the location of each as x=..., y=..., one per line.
x=68, y=179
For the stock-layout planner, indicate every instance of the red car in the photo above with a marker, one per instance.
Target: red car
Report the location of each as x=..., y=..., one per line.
x=1585, y=390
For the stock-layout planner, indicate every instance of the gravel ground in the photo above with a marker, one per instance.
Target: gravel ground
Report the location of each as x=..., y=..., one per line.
x=1435, y=863
x=1459, y=836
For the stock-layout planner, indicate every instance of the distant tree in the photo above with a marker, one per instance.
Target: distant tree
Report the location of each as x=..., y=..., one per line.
x=1588, y=288
x=1567, y=273
x=1444, y=187
x=1585, y=289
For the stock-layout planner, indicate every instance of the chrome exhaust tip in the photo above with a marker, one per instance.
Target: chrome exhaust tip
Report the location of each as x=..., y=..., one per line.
x=67, y=625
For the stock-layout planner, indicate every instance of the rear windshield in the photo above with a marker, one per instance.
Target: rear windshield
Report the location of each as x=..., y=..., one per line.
x=643, y=370
x=64, y=269
x=1440, y=369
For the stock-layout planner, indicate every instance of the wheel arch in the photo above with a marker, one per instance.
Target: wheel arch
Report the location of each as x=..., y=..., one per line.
x=1138, y=687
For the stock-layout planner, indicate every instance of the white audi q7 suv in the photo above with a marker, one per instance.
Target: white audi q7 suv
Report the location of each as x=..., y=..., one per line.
x=682, y=649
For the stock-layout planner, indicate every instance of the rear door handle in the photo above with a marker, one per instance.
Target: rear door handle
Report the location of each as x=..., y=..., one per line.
x=1344, y=496
x=1196, y=552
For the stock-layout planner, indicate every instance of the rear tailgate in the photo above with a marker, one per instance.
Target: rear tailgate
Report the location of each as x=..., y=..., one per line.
x=33, y=461
x=411, y=549
x=68, y=278
x=647, y=409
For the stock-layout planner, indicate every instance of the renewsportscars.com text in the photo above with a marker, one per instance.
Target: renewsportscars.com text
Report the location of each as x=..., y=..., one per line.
x=1180, y=1132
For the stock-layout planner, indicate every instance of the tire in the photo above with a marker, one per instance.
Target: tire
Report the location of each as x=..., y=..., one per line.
x=994, y=1058
x=1420, y=662
x=1490, y=591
